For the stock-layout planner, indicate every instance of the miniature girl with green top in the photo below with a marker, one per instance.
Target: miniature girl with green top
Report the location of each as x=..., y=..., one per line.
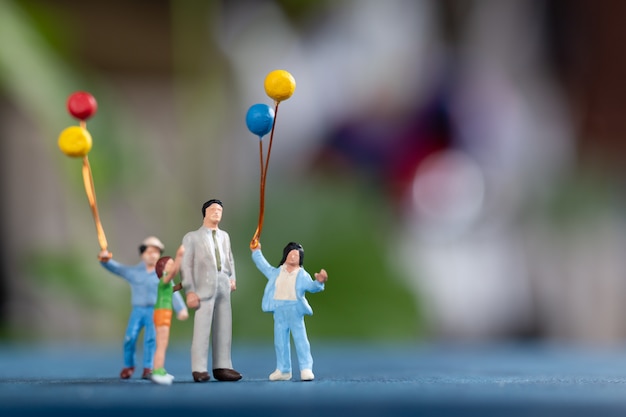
x=166, y=269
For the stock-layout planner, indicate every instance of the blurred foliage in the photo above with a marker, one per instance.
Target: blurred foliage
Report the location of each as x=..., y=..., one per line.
x=68, y=273
x=343, y=228
x=578, y=199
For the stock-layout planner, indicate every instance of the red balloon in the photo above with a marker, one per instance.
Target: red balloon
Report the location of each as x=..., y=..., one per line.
x=82, y=105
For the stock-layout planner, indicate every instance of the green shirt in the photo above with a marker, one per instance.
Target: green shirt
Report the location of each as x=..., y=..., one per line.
x=164, y=295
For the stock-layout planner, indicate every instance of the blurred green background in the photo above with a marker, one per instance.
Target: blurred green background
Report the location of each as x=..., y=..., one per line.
x=132, y=56
x=454, y=165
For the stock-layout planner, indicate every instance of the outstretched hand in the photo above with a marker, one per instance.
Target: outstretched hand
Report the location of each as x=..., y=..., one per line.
x=182, y=315
x=321, y=276
x=105, y=256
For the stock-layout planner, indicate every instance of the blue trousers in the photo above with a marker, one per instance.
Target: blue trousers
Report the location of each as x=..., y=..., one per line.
x=287, y=320
x=140, y=317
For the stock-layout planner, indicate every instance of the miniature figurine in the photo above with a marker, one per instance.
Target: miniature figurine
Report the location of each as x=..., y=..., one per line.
x=208, y=277
x=284, y=296
x=143, y=285
x=166, y=269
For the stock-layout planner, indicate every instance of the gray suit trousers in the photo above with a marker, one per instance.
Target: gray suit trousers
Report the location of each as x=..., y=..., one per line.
x=213, y=321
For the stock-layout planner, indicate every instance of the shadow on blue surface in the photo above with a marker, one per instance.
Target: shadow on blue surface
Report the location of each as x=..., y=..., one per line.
x=511, y=380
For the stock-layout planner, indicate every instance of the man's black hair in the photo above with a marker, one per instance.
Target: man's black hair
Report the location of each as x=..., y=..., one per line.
x=291, y=246
x=208, y=203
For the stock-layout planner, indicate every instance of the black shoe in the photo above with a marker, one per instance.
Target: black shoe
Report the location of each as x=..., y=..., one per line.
x=200, y=376
x=226, y=375
x=147, y=373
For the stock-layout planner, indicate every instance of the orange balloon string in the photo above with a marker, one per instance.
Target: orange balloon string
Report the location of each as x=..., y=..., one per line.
x=257, y=234
x=255, y=239
x=91, y=196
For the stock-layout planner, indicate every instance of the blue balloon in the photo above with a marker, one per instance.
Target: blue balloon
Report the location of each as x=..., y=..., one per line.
x=259, y=119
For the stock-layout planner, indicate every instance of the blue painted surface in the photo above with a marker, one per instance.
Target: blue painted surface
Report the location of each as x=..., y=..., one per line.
x=351, y=380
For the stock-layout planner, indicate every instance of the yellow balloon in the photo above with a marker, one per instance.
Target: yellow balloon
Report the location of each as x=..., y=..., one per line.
x=75, y=141
x=279, y=85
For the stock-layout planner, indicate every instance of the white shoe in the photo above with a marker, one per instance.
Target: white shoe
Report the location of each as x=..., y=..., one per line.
x=307, y=375
x=162, y=379
x=277, y=375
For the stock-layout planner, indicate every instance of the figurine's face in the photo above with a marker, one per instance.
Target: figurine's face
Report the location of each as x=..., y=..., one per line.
x=151, y=255
x=293, y=258
x=213, y=213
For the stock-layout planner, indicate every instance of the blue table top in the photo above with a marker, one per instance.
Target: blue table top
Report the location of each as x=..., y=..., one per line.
x=351, y=379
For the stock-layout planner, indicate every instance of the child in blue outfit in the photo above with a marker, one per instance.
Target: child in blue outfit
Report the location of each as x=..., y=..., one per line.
x=284, y=296
x=143, y=285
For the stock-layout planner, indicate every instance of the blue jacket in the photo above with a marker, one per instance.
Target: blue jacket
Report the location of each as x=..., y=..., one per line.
x=143, y=284
x=304, y=283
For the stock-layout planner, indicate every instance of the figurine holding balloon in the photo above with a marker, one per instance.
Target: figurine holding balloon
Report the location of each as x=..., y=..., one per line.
x=261, y=120
x=287, y=283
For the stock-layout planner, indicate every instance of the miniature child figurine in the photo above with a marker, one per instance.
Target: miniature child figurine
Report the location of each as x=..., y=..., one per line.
x=143, y=285
x=166, y=269
x=284, y=296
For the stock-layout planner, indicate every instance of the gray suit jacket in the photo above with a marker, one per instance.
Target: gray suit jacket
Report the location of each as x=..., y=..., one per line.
x=199, y=268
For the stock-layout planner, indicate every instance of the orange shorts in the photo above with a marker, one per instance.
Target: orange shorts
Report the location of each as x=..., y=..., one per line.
x=163, y=317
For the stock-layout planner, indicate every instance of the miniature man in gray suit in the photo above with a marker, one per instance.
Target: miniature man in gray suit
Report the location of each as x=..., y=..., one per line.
x=208, y=277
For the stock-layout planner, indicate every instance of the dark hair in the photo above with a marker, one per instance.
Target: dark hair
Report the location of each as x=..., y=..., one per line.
x=142, y=249
x=291, y=246
x=160, y=265
x=208, y=203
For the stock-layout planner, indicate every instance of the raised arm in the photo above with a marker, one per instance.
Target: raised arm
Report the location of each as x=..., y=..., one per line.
x=186, y=267
x=187, y=272
x=261, y=263
x=113, y=266
x=173, y=270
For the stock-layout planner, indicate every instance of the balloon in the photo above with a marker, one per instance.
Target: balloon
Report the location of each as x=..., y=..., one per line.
x=259, y=119
x=279, y=85
x=75, y=141
x=82, y=105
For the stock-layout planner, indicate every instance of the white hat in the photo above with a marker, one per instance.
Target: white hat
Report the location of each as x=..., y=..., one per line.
x=153, y=241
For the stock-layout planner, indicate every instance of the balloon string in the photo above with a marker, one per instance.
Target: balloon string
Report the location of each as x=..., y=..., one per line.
x=257, y=234
x=91, y=196
x=269, y=150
